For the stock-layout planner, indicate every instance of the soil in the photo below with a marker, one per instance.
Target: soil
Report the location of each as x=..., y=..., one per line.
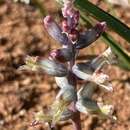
x=24, y=93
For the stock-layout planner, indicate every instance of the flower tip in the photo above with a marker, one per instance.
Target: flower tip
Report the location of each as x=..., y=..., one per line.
x=102, y=26
x=47, y=19
x=103, y=23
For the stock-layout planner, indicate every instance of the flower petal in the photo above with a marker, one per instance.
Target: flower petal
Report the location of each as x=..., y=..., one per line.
x=87, y=90
x=53, y=67
x=85, y=73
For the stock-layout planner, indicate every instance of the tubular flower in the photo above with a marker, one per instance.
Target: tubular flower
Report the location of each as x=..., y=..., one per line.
x=49, y=66
x=89, y=71
x=86, y=105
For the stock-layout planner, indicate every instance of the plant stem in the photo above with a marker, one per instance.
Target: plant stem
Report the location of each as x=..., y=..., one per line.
x=76, y=122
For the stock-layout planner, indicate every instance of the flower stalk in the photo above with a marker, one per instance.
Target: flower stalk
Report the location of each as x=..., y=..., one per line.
x=61, y=63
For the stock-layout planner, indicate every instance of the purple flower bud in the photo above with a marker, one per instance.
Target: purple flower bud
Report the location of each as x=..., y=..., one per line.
x=53, y=67
x=55, y=31
x=62, y=55
x=65, y=26
x=88, y=37
x=73, y=18
x=73, y=35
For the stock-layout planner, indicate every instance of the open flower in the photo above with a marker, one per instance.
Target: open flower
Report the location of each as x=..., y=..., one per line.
x=67, y=91
x=86, y=105
x=87, y=74
x=30, y=64
x=90, y=71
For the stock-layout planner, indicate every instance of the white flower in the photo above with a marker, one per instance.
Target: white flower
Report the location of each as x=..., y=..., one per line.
x=87, y=74
x=107, y=57
x=102, y=80
x=89, y=71
x=67, y=91
x=86, y=105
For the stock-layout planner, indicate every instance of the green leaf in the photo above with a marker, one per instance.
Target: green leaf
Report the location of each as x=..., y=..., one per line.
x=99, y=14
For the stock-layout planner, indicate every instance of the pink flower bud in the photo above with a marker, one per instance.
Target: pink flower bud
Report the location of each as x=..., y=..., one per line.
x=88, y=37
x=62, y=55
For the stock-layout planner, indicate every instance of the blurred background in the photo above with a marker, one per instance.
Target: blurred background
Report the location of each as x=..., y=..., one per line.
x=24, y=93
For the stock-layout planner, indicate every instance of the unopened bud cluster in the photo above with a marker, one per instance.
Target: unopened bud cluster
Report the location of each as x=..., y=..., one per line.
x=61, y=64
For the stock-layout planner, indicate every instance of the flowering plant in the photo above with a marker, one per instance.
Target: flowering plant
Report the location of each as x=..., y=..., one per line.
x=61, y=64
